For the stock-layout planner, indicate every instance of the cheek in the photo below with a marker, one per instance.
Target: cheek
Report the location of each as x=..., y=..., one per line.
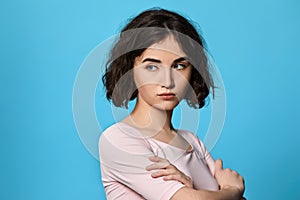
x=182, y=80
x=182, y=83
x=147, y=89
x=147, y=92
x=143, y=79
x=182, y=88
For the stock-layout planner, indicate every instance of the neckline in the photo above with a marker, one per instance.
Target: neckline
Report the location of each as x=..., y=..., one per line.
x=188, y=146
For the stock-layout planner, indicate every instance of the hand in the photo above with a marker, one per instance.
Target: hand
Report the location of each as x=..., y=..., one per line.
x=168, y=171
x=229, y=179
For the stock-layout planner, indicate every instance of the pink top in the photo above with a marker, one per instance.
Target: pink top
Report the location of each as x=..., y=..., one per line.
x=124, y=156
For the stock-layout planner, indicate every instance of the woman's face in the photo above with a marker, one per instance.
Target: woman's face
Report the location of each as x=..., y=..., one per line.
x=162, y=74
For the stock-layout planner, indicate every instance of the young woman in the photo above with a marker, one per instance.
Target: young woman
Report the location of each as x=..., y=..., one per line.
x=160, y=60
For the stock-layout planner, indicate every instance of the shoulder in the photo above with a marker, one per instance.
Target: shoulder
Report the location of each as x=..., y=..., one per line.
x=117, y=129
x=122, y=136
x=123, y=148
x=120, y=132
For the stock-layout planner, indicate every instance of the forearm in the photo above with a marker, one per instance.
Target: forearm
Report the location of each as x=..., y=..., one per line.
x=223, y=194
x=185, y=193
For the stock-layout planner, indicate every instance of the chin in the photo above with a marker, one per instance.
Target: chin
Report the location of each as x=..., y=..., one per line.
x=166, y=106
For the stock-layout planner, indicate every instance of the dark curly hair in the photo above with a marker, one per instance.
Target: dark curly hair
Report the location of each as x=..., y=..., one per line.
x=149, y=27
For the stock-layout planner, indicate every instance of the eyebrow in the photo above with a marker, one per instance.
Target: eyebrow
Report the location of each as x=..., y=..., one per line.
x=158, y=61
x=151, y=60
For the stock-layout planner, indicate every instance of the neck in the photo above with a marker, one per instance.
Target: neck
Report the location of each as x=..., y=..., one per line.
x=151, y=118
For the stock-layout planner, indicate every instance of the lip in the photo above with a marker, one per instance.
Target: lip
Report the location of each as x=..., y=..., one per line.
x=167, y=95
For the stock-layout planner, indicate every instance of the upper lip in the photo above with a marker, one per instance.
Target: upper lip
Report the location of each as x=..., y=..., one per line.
x=166, y=94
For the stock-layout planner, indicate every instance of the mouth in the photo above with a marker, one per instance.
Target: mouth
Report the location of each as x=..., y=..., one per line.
x=167, y=95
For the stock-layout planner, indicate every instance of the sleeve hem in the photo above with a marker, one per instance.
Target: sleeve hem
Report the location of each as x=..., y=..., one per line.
x=168, y=195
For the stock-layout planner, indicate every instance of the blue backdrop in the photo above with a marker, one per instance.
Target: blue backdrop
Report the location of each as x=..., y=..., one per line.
x=43, y=43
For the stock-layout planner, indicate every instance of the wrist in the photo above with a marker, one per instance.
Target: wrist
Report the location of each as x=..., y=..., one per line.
x=232, y=192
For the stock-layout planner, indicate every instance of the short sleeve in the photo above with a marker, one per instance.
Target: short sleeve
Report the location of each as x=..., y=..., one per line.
x=123, y=157
x=209, y=159
x=203, y=152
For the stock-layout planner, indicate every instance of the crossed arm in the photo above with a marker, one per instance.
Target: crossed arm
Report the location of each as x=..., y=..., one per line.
x=230, y=182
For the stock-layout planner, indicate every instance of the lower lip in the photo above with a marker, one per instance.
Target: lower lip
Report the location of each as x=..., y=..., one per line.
x=166, y=97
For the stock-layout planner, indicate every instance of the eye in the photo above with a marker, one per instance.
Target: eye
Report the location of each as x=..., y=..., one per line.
x=179, y=66
x=151, y=68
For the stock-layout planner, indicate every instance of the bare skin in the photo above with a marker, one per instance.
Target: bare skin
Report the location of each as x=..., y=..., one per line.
x=162, y=69
x=228, y=180
x=168, y=171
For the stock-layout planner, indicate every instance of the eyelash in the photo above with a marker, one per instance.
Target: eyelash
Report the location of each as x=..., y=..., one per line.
x=150, y=68
x=154, y=67
x=178, y=64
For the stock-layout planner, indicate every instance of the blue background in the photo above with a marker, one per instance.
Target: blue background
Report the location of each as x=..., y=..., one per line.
x=43, y=43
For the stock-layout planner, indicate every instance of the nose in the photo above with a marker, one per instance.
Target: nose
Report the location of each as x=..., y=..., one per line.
x=168, y=78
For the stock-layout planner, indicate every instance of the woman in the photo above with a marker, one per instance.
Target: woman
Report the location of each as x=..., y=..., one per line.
x=160, y=60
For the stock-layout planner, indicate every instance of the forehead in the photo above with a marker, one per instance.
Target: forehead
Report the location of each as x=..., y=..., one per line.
x=167, y=48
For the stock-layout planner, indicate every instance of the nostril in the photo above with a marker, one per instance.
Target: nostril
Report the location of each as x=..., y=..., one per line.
x=169, y=84
x=168, y=81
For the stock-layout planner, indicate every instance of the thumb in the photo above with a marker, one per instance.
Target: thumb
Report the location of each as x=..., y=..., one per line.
x=218, y=165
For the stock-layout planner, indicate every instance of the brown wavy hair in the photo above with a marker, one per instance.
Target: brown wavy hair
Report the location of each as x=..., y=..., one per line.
x=147, y=28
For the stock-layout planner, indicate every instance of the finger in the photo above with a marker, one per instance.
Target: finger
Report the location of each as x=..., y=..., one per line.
x=218, y=164
x=160, y=174
x=157, y=165
x=171, y=169
x=157, y=159
x=154, y=166
x=165, y=172
x=177, y=177
x=183, y=179
x=235, y=173
x=227, y=170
